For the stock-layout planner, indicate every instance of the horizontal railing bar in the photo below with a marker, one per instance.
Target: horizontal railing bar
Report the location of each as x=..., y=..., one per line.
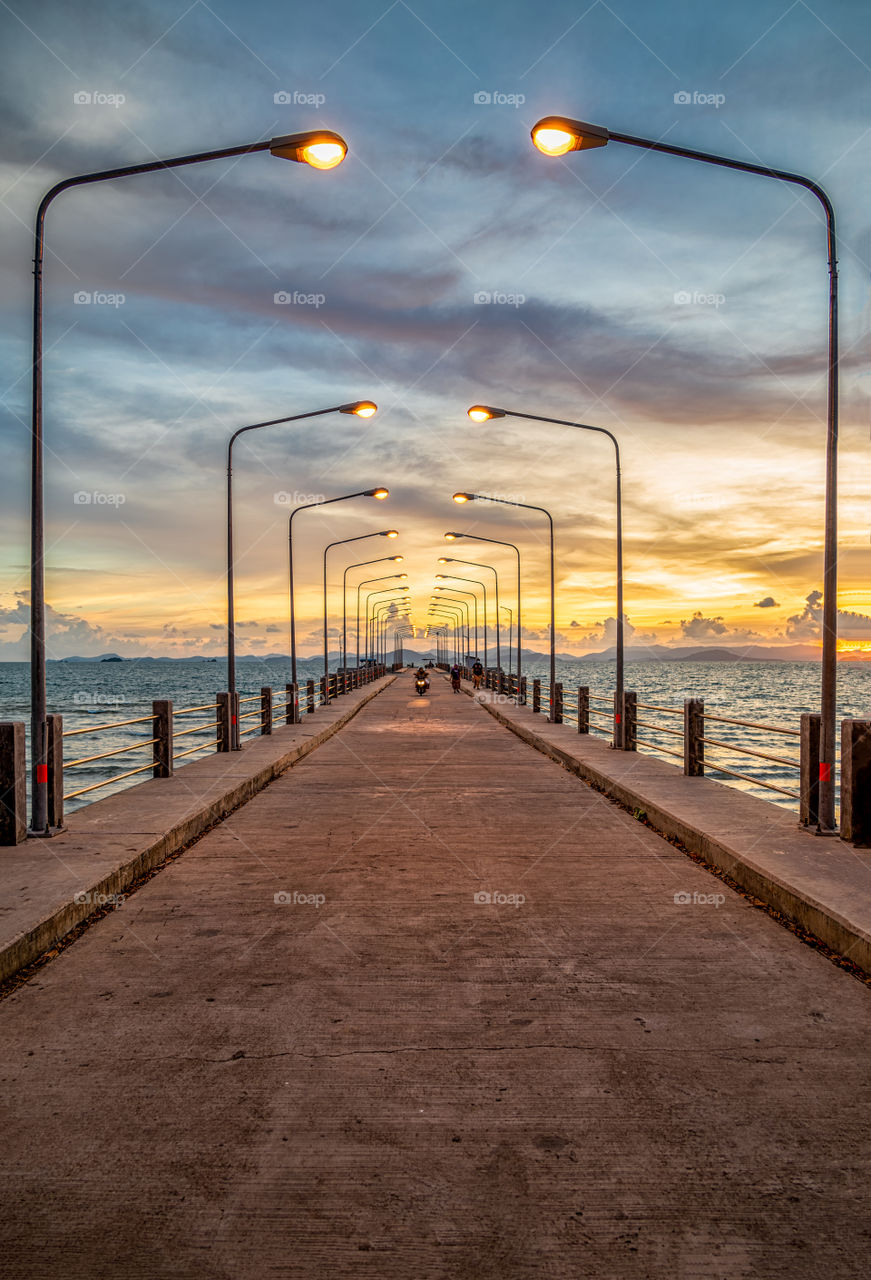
x=751, y=724
x=748, y=751
x=660, y=728
x=653, y=706
x=656, y=747
x=199, y=728
x=71, y=764
x=254, y=729
x=186, y=711
x=118, y=778
x=757, y=782
x=249, y=714
x=252, y=698
x=203, y=746
x=97, y=728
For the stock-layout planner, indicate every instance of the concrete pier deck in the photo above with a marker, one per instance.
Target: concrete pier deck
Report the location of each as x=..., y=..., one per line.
x=427, y=1006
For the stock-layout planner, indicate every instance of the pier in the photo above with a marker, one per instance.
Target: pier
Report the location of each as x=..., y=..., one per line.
x=433, y=987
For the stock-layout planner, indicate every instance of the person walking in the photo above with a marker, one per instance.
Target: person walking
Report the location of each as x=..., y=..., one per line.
x=477, y=673
x=455, y=678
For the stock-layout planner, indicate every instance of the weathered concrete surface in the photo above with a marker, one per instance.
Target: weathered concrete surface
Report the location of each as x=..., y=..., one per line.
x=110, y=843
x=405, y=1083
x=822, y=884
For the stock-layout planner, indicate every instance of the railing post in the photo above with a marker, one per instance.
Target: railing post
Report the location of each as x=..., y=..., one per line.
x=583, y=708
x=224, y=722
x=55, y=756
x=557, y=707
x=161, y=751
x=809, y=784
x=536, y=695
x=291, y=709
x=856, y=781
x=13, y=783
x=619, y=723
x=523, y=691
x=265, y=709
x=693, y=733
x=629, y=725
x=310, y=695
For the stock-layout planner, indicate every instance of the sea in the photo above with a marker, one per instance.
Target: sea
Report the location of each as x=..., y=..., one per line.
x=773, y=694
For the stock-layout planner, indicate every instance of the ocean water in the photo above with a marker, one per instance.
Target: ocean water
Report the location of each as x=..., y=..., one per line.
x=769, y=693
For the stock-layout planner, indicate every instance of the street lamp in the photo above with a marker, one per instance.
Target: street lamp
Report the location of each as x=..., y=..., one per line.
x=386, y=591
x=476, y=564
x=482, y=497
x=319, y=148
x=387, y=577
x=483, y=413
x=362, y=409
x=510, y=613
x=360, y=564
x=381, y=533
x=456, y=599
x=556, y=136
x=497, y=542
x=477, y=582
x=454, y=617
x=380, y=494
x=379, y=621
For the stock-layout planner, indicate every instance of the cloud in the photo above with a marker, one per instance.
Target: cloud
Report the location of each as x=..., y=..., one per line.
x=272, y=629
x=768, y=602
x=698, y=627
x=807, y=624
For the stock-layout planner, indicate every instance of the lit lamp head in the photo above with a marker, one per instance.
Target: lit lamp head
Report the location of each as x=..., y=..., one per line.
x=445, y=560
x=390, y=533
x=396, y=559
x=463, y=497
x=380, y=494
x=484, y=412
x=557, y=135
x=360, y=408
x=452, y=537
x=320, y=148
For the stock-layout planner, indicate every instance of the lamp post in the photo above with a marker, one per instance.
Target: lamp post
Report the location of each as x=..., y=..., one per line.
x=455, y=599
x=475, y=564
x=482, y=497
x=381, y=533
x=387, y=577
x=483, y=413
x=510, y=613
x=370, y=635
x=362, y=409
x=556, y=136
x=380, y=621
x=454, y=619
x=452, y=536
x=379, y=493
x=319, y=148
x=361, y=564
x=477, y=582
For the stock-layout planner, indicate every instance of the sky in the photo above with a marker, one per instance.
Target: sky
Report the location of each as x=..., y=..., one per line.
x=444, y=263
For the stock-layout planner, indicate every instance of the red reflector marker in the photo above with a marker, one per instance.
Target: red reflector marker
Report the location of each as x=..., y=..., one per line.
x=825, y=772
x=42, y=773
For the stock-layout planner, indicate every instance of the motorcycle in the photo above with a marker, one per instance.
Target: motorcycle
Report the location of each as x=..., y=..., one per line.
x=421, y=684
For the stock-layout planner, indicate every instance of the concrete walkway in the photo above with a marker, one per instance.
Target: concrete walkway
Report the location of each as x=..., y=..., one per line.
x=308, y=1048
